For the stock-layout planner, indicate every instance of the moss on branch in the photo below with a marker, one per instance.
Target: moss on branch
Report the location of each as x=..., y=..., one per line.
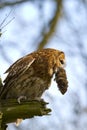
x=10, y=110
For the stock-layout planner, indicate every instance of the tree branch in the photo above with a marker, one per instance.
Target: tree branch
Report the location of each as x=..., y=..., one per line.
x=10, y=110
x=12, y=3
x=53, y=24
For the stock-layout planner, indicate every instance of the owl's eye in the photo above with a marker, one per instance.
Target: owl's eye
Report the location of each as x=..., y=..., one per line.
x=62, y=62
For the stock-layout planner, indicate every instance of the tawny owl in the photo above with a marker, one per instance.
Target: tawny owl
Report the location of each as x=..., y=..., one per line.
x=31, y=75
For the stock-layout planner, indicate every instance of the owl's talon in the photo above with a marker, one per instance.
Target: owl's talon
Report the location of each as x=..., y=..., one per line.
x=21, y=98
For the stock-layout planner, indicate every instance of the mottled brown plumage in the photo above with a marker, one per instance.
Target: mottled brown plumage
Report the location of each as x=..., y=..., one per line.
x=31, y=75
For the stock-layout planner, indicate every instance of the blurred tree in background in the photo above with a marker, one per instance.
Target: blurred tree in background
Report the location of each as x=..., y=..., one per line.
x=59, y=24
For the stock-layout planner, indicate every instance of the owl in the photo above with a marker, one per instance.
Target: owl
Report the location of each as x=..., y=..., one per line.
x=31, y=75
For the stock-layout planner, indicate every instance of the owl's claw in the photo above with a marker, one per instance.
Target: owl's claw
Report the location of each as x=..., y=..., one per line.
x=21, y=98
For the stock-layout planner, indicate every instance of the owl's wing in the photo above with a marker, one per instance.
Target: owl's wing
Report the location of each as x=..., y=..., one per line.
x=19, y=67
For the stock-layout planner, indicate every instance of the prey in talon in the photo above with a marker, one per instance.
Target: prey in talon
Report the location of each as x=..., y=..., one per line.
x=61, y=80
